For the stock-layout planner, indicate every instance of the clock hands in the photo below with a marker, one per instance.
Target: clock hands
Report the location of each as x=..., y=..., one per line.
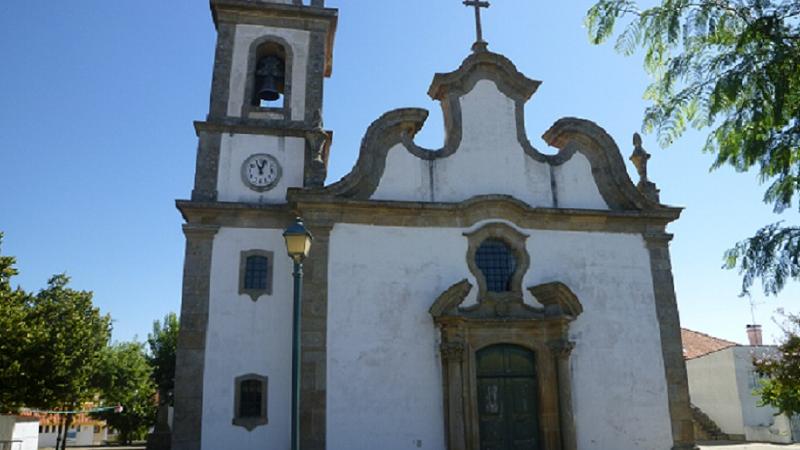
x=261, y=165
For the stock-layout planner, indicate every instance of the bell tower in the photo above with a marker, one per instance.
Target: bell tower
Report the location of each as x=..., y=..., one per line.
x=262, y=136
x=266, y=99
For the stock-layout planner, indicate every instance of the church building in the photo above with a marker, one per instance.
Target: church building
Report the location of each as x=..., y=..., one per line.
x=479, y=296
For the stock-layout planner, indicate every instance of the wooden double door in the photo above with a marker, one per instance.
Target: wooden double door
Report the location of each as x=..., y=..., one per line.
x=508, y=398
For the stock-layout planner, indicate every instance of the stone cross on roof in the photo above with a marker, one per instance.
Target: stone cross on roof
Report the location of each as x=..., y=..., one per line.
x=479, y=44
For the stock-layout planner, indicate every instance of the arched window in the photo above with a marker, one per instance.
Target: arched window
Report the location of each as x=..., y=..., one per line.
x=497, y=263
x=269, y=89
x=250, y=403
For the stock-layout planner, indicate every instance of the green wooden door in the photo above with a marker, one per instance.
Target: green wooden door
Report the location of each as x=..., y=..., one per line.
x=507, y=398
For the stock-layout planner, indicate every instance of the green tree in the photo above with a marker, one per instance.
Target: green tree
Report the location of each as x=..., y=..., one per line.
x=781, y=371
x=49, y=343
x=733, y=67
x=17, y=338
x=7, y=271
x=64, y=361
x=124, y=378
x=163, y=343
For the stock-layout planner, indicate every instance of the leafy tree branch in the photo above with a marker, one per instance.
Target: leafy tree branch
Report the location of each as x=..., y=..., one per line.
x=732, y=67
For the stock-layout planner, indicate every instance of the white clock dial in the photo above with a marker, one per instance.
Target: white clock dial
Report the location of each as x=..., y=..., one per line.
x=261, y=172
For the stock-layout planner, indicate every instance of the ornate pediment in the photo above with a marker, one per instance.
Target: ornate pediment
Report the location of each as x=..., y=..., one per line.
x=558, y=302
x=486, y=150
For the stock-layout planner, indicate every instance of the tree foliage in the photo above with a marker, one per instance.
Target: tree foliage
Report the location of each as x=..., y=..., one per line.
x=780, y=371
x=124, y=378
x=16, y=338
x=75, y=333
x=49, y=344
x=163, y=343
x=732, y=66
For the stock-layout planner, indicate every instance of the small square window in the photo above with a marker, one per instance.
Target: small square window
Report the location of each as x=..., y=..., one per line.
x=255, y=273
x=250, y=401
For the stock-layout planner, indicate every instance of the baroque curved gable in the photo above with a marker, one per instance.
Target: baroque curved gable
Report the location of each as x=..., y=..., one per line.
x=486, y=150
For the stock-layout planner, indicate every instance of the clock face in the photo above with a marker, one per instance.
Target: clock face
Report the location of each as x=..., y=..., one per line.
x=261, y=172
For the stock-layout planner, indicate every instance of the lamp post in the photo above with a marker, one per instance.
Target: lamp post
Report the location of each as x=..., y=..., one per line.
x=298, y=244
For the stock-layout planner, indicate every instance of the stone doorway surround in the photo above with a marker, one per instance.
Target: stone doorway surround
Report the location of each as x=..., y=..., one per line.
x=464, y=331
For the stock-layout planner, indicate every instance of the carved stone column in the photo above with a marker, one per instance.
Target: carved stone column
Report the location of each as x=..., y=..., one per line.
x=452, y=352
x=561, y=349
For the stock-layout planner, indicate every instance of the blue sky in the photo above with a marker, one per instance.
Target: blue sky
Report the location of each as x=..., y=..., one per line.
x=98, y=99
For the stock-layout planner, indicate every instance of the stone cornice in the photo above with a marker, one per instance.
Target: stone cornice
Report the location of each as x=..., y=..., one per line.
x=260, y=12
x=235, y=125
x=329, y=210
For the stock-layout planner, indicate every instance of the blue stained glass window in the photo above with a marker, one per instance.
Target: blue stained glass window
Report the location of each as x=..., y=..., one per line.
x=497, y=263
x=255, y=272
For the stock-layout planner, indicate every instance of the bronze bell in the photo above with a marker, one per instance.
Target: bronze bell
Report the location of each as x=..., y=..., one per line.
x=270, y=78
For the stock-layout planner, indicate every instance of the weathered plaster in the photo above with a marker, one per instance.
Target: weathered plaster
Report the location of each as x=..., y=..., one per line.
x=246, y=337
x=383, y=369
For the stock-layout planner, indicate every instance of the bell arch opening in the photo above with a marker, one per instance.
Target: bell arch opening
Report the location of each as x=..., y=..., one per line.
x=268, y=85
x=269, y=88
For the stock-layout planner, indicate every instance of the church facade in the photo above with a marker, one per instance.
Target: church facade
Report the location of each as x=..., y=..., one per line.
x=483, y=295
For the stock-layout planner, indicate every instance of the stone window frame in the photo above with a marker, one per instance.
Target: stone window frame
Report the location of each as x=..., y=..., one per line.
x=515, y=240
x=253, y=55
x=459, y=356
x=250, y=423
x=256, y=293
x=544, y=331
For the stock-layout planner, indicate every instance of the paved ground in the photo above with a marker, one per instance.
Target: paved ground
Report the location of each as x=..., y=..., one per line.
x=135, y=447
x=753, y=446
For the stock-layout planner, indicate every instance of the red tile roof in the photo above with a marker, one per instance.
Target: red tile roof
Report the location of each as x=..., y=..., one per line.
x=696, y=344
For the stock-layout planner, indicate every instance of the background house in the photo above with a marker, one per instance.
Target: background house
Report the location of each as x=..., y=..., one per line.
x=18, y=432
x=722, y=382
x=84, y=430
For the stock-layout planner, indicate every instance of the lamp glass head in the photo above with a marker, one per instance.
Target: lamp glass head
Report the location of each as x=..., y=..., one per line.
x=298, y=240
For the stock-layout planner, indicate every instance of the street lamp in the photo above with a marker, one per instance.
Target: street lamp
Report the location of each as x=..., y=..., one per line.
x=298, y=244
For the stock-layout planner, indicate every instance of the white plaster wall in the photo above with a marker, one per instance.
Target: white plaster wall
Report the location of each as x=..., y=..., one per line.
x=618, y=382
x=13, y=428
x=713, y=388
x=26, y=431
x=235, y=149
x=244, y=36
x=575, y=185
x=247, y=337
x=489, y=160
x=384, y=376
x=405, y=177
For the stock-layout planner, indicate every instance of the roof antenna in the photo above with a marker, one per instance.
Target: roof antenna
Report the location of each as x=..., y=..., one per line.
x=754, y=335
